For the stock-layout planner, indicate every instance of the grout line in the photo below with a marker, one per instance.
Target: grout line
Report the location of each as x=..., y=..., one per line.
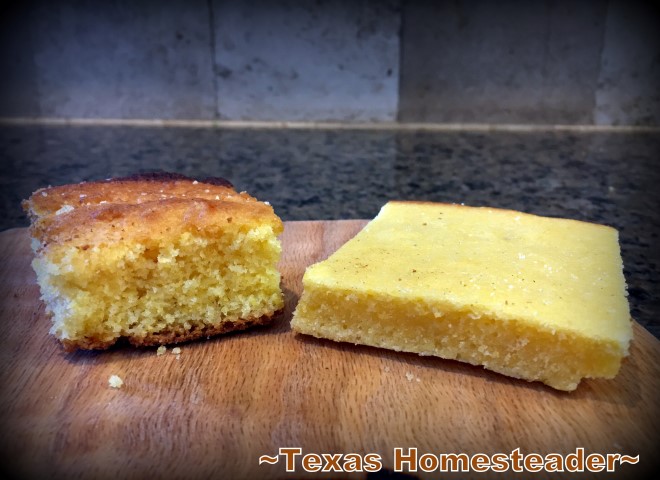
x=214, y=77
x=401, y=16
x=258, y=124
x=607, y=27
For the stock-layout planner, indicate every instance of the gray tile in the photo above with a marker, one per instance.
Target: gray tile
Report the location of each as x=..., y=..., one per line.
x=118, y=59
x=515, y=62
x=629, y=84
x=287, y=60
x=18, y=89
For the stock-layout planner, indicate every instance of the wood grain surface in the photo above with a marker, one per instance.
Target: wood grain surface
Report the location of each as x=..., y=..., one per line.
x=224, y=402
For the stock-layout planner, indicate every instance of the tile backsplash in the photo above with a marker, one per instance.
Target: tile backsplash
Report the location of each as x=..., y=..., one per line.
x=556, y=62
x=306, y=61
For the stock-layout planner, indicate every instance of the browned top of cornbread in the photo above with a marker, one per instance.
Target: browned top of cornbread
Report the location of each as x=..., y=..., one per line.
x=139, y=188
x=139, y=207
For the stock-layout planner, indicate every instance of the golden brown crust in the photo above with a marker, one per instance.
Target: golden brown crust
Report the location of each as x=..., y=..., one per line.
x=176, y=334
x=136, y=189
x=139, y=207
x=84, y=228
x=169, y=177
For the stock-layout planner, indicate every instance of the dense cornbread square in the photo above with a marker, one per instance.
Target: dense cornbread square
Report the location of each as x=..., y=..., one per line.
x=531, y=297
x=154, y=258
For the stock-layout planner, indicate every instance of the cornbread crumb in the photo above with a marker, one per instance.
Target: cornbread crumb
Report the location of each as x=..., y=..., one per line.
x=64, y=209
x=161, y=350
x=115, y=382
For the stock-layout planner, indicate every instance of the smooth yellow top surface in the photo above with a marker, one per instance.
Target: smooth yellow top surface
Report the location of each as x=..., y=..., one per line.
x=565, y=275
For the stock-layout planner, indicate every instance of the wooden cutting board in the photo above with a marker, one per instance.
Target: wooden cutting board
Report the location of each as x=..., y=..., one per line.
x=224, y=402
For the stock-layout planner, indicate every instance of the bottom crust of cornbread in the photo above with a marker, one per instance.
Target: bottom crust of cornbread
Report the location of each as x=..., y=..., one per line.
x=176, y=334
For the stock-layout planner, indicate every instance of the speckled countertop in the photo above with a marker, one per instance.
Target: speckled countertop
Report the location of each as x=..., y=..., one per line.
x=610, y=178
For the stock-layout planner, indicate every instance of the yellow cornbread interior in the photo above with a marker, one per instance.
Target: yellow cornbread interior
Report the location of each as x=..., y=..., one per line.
x=188, y=280
x=531, y=297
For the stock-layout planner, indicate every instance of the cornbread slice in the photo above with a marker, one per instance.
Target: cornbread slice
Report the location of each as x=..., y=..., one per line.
x=155, y=258
x=531, y=297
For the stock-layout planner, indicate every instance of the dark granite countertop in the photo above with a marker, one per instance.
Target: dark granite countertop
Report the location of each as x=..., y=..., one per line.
x=611, y=178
